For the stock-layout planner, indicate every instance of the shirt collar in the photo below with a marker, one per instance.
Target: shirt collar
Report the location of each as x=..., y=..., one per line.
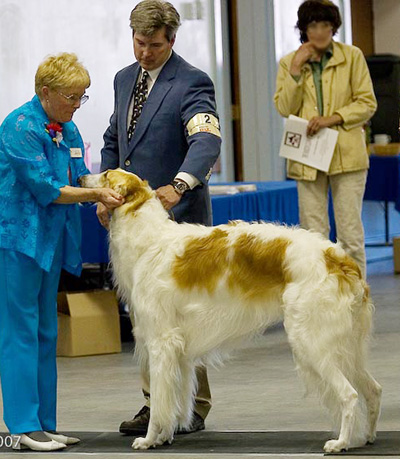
x=154, y=73
x=326, y=56
x=329, y=51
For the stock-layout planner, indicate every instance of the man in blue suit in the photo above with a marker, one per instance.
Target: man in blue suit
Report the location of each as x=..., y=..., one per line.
x=165, y=129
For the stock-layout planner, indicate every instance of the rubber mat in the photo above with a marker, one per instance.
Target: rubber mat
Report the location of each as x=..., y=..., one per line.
x=230, y=442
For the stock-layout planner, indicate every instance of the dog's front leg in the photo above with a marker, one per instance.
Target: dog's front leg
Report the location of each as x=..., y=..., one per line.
x=165, y=386
x=153, y=433
x=166, y=436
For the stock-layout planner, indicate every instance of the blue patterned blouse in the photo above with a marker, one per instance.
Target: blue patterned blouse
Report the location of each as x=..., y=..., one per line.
x=32, y=171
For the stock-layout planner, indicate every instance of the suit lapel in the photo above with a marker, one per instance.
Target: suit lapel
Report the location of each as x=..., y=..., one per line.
x=160, y=89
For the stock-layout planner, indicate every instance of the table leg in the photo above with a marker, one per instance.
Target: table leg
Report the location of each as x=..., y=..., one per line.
x=386, y=222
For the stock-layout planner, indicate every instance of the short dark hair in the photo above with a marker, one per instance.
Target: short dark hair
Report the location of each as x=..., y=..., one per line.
x=317, y=11
x=149, y=16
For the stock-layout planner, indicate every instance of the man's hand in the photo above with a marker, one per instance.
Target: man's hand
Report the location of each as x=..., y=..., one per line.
x=318, y=122
x=168, y=196
x=103, y=215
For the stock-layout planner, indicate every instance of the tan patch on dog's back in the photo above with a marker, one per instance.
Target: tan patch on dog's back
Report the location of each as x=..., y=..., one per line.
x=257, y=267
x=203, y=261
x=343, y=266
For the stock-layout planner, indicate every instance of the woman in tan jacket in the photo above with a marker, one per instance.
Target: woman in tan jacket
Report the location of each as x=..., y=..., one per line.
x=328, y=83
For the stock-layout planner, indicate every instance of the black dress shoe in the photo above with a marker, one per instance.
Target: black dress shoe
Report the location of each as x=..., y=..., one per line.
x=139, y=424
x=196, y=424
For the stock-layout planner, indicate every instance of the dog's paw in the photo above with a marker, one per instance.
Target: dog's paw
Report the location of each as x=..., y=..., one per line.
x=335, y=446
x=163, y=439
x=371, y=439
x=141, y=443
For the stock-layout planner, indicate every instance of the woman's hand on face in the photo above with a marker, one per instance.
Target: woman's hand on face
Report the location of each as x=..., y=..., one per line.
x=303, y=54
x=109, y=198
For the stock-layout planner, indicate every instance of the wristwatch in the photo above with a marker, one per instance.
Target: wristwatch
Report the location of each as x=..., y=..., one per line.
x=180, y=186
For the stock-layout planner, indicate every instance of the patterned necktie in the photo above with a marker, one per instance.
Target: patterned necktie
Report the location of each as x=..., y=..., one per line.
x=139, y=98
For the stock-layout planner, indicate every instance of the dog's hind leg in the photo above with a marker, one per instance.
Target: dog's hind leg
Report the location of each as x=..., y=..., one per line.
x=165, y=380
x=347, y=397
x=372, y=392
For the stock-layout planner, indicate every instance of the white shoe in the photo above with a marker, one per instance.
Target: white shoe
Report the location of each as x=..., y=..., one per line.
x=24, y=442
x=62, y=438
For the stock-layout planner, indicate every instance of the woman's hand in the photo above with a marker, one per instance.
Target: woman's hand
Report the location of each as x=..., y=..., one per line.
x=303, y=54
x=109, y=198
x=168, y=196
x=319, y=122
x=72, y=194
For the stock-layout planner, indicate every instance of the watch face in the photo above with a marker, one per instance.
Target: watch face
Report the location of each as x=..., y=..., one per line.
x=180, y=186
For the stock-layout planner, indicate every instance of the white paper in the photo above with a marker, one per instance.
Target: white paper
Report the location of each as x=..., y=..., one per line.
x=232, y=189
x=315, y=151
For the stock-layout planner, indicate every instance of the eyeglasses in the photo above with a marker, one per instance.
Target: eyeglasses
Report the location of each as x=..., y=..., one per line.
x=73, y=99
x=322, y=26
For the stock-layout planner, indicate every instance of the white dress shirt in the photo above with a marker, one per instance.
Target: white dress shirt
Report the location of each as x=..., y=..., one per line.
x=190, y=179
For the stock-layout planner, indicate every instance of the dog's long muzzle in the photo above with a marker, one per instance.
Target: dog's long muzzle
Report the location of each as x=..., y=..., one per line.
x=82, y=180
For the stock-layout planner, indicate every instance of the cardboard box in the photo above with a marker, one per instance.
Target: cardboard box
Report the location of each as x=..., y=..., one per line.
x=88, y=323
x=396, y=254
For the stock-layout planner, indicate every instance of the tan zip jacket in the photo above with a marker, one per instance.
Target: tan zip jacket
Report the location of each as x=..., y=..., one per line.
x=347, y=90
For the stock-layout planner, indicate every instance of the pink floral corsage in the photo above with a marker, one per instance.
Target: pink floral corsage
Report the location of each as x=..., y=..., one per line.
x=55, y=131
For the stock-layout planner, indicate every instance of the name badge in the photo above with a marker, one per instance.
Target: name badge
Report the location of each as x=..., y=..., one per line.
x=75, y=152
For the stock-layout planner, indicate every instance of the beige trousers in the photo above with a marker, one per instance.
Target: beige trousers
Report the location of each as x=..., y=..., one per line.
x=347, y=194
x=203, y=396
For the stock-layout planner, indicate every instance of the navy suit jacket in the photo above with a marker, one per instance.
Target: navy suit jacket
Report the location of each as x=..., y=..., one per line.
x=160, y=146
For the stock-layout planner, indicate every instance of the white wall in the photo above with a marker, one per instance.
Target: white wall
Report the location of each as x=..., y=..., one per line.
x=260, y=122
x=98, y=32
x=387, y=26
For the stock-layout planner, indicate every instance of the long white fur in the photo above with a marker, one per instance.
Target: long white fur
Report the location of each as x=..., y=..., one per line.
x=175, y=330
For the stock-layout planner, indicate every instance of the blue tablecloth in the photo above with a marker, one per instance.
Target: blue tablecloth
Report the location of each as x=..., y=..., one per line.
x=383, y=182
x=94, y=237
x=273, y=201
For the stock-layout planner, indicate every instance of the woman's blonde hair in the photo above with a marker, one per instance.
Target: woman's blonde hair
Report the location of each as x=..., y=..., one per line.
x=61, y=71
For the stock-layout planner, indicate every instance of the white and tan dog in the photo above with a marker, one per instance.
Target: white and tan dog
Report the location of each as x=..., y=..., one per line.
x=197, y=291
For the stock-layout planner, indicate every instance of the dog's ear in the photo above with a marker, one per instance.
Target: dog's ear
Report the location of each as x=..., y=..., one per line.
x=137, y=192
x=118, y=181
x=121, y=188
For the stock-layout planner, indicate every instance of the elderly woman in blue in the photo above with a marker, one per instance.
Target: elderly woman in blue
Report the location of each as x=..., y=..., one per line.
x=41, y=159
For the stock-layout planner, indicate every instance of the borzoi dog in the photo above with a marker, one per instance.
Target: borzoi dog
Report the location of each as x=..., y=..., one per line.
x=197, y=291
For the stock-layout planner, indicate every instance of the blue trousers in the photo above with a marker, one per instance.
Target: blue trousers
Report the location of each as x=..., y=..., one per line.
x=28, y=341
